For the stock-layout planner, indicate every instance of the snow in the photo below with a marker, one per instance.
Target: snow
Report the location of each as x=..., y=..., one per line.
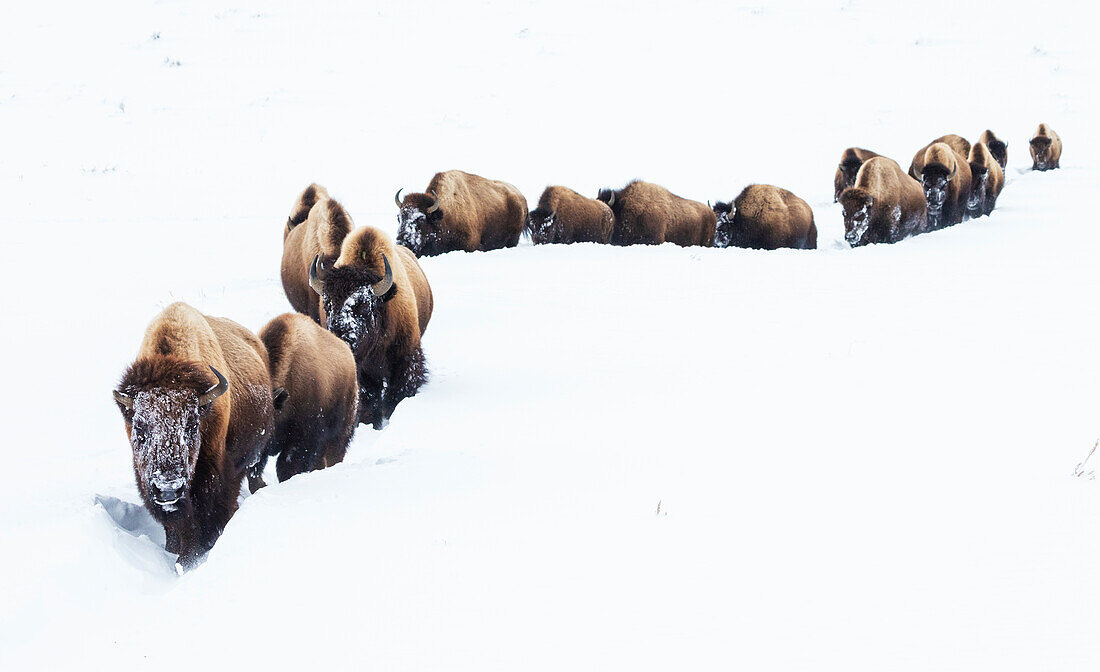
x=626, y=458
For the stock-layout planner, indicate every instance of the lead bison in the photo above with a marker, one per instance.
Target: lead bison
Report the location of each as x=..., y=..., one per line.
x=316, y=398
x=376, y=299
x=649, y=214
x=316, y=226
x=884, y=205
x=846, y=170
x=767, y=218
x=460, y=211
x=945, y=176
x=997, y=147
x=564, y=216
x=987, y=180
x=1046, y=149
x=956, y=142
x=198, y=410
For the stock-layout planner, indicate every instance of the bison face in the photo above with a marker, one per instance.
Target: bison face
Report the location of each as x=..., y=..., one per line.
x=978, y=182
x=543, y=225
x=723, y=232
x=353, y=298
x=935, y=180
x=1040, y=150
x=857, y=216
x=999, y=150
x=419, y=223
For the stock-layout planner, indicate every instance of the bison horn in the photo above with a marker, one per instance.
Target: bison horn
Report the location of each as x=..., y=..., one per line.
x=208, y=397
x=435, y=203
x=314, y=282
x=953, y=171
x=383, y=286
x=397, y=197
x=611, y=201
x=124, y=399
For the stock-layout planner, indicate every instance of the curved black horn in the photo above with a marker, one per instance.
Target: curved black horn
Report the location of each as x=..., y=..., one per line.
x=611, y=201
x=213, y=393
x=380, y=288
x=314, y=282
x=435, y=203
x=123, y=399
x=397, y=197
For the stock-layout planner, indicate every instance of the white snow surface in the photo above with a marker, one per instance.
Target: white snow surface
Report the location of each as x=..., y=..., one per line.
x=626, y=458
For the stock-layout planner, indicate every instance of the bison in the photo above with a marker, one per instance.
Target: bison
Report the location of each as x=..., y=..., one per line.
x=316, y=226
x=1046, y=149
x=460, y=211
x=649, y=214
x=884, y=205
x=376, y=299
x=767, y=218
x=564, y=216
x=197, y=405
x=955, y=142
x=997, y=147
x=987, y=180
x=316, y=396
x=945, y=176
x=846, y=170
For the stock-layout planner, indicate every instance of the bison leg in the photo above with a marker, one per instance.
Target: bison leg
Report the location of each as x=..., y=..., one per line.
x=370, y=394
x=294, y=460
x=407, y=375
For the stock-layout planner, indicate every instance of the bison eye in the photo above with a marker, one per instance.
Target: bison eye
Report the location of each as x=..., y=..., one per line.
x=139, y=433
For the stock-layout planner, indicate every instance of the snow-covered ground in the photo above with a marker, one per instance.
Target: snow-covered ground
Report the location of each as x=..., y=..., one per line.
x=643, y=458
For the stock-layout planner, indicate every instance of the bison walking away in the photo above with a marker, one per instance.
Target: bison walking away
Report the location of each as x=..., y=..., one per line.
x=1046, y=149
x=997, y=147
x=649, y=214
x=460, y=211
x=767, y=218
x=316, y=398
x=846, y=170
x=316, y=226
x=198, y=410
x=564, y=216
x=376, y=299
x=945, y=176
x=884, y=206
x=987, y=180
x=957, y=143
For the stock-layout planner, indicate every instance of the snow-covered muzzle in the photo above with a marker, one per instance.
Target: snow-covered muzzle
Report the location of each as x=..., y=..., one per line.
x=856, y=225
x=166, y=440
x=355, y=317
x=543, y=228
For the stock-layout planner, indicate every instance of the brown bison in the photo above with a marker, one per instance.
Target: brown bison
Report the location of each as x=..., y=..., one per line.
x=958, y=143
x=378, y=301
x=460, y=211
x=945, y=176
x=997, y=147
x=987, y=180
x=564, y=216
x=198, y=410
x=884, y=205
x=766, y=218
x=316, y=226
x=1046, y=149
x=846, y=170
x=316, y=396
x=649, y=214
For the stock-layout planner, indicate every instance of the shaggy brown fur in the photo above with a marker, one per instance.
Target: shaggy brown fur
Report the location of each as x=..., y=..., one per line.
x=955, y=142
x=846, y=170
x=564, y=216
x=987, y=180
x=649, y=214
x=766, y=218
x=384, y=331
x=884, y=206
x=220, y=441
x=997, y=147
x=1046, y=149
x=317, y=226
x=946, y=179
x=317, y=410
x=474, y=213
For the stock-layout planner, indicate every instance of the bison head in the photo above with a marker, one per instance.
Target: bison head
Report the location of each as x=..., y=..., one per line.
x=162, y=403
x=979, y=179
x=608, y=196
x=936, y=178
x=543, y=225
x=723, y=232
x=999, y=150
x=1040, y=150
x=419, y=222
x=353, y=297
x=857, y=205
x=849, y=168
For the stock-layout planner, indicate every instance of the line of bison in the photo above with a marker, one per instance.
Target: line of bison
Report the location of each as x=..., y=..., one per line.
x=207, y=403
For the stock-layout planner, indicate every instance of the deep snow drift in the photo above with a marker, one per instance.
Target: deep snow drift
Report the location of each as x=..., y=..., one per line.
x=644, y=458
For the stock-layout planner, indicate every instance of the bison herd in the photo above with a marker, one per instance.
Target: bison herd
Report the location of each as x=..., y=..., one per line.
x=206, y=402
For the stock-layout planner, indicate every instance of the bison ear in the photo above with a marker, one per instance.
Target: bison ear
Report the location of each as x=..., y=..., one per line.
x=279, y=398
